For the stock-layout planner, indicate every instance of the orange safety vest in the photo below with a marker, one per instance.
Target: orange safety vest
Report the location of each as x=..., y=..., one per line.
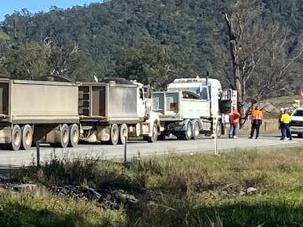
x=256, y=115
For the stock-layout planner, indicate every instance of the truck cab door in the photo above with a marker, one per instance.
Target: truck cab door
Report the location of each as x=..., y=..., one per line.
x=227, y=101
x=205, y=95
x=142, y=103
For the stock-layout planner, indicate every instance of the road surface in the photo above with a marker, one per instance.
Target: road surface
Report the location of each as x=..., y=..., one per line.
x=135, y=149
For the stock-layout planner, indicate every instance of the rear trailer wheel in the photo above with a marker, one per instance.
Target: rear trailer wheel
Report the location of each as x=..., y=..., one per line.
x=114, y=134
x=123, y=133
x=196, y=130
x=154, y=137
x=64, y=136
x=74, y=135
x=16, y=138
x=300, y=135
x=27, y=137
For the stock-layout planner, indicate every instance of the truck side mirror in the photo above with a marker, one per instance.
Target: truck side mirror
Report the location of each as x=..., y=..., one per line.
x=141, y=94
x=147, y=91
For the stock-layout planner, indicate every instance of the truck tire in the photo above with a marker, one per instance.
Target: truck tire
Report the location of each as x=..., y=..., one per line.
x=161, y=137
x=27, y=137
x=64, y=136
x=196, y=130
x=188, y=133
x=123, y=133
x=16, y=138
x=179, y=135
x=154, y=137
x=300, y=135
x=114, y=134
x=74, y=135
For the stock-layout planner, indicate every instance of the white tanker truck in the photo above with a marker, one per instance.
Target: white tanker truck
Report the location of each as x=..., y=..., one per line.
x=193, y=106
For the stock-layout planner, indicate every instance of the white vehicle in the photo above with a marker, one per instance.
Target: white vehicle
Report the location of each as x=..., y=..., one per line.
x=296, y=125
x=193, y=106
x=110, y=111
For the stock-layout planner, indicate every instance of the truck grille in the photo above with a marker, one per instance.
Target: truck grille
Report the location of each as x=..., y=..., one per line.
x=296, y=123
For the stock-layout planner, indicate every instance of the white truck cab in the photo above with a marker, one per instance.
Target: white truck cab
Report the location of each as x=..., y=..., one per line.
x=191, y=106
x=209, y=90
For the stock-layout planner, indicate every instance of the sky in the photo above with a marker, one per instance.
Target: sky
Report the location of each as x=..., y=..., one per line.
x=34, y=6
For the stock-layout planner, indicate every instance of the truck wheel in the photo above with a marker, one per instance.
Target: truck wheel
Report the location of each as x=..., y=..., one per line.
x=161, y=137
x=123, y=133
x=154, y=137
x=114, y=134
x=179, y=135
x=64, y=136
x=188, y=133
x=300, y=135
x=16, y=138
x=27, y=137
x=196, y=130
x=74, y=135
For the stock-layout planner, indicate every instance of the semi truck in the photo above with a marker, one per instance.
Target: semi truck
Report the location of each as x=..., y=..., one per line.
x=115, y=110
x=38, y=111
x=193, y=106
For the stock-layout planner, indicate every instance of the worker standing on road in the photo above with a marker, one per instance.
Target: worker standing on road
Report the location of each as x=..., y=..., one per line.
x=285, y=121
x=234, y=120
x=280, y=116
x=256, y=120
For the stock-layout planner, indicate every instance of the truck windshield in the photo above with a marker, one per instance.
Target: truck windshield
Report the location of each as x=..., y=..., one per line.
x=202, y=92
x=298, y=113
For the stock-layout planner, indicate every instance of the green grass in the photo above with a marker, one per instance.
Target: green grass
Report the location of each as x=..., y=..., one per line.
x=43, y=209
x=198, y=190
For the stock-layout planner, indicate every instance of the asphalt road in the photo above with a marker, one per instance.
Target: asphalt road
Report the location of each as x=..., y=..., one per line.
x=135, y=149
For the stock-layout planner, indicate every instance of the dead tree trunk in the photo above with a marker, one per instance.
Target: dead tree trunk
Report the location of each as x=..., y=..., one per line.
x=234, y=52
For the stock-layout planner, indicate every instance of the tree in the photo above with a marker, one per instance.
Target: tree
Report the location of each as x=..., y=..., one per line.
x=244, y=34
x=27, y=61
x=280, y=61
x=70, y=62
x=151, y=64
x=262, y=50
x=5, y=44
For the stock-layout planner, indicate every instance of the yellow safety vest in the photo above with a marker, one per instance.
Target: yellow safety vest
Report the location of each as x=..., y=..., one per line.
x=285, y=119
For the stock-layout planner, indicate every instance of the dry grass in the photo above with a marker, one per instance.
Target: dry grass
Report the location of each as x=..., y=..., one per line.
x=199, y=190
x=43, y=209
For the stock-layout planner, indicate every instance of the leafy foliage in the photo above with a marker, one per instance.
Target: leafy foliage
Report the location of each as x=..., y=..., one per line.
x=151, y=41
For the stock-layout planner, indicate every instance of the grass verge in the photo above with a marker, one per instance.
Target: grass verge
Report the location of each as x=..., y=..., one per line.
x=241, y=188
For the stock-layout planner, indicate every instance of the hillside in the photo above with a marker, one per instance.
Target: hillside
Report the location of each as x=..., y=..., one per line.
x=152, y=41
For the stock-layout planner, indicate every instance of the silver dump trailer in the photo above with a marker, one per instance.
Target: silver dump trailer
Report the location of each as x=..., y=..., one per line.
x=110, y=112
x=38, y=110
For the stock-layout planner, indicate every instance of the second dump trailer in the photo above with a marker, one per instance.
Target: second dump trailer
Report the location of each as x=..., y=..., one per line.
x=38, y=110
x=112, y=111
